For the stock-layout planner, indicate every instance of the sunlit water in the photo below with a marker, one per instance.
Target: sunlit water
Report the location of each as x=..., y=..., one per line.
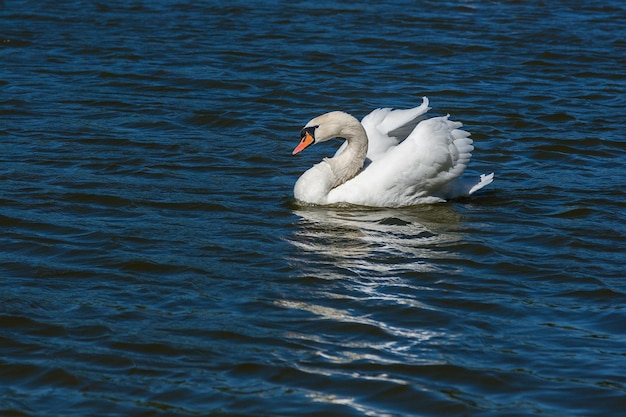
x=153, y=261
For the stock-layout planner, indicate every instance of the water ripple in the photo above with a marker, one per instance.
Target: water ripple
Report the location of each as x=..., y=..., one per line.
x=154, y=262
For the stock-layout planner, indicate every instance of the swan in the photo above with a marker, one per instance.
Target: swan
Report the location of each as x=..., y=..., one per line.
x=392, y=158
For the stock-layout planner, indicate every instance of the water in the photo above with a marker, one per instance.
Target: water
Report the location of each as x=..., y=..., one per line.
x=154, y=263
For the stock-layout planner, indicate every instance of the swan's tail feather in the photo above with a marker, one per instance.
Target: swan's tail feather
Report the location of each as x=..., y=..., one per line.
x=463, y=187
x=484, y=181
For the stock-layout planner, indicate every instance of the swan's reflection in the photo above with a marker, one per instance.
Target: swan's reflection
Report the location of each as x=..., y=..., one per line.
x=375, y=312
x=375, y=242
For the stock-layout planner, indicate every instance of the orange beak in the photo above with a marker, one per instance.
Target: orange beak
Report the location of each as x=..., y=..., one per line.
x=306, y=141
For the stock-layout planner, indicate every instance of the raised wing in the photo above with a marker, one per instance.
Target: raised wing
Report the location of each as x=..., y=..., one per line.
x=434, y=154
x=387, y=128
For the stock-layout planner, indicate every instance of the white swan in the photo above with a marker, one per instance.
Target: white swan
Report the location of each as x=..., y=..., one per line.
x=409, y=161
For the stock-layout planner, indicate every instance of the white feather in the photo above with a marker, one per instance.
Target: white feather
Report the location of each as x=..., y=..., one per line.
x=412, y=161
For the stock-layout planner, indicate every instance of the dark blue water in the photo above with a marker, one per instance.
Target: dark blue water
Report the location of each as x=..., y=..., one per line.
x=153, y=261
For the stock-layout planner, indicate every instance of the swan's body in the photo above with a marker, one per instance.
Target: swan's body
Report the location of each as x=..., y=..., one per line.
x=410, y=161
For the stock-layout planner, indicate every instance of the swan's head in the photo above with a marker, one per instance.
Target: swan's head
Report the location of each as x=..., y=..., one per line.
x=335, y=124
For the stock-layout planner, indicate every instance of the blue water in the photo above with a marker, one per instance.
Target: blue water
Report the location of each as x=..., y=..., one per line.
x=153, y=261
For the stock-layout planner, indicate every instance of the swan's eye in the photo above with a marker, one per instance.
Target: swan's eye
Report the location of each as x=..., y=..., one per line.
x=310, y=130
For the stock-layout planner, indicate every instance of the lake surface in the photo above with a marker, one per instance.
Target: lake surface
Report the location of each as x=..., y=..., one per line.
x=153, y=261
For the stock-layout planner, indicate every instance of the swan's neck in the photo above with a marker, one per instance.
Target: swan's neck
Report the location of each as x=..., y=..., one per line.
x=347, y=164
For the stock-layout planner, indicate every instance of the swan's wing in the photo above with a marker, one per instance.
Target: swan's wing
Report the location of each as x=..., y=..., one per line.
x=387, y=128
x=432, y=156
